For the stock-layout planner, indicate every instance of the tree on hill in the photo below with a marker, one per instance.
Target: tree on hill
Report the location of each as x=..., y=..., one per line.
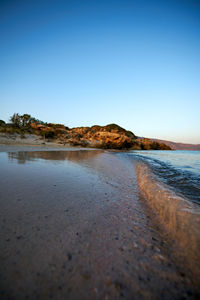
x=21, y=121
x=16, y=120
x=26, y=120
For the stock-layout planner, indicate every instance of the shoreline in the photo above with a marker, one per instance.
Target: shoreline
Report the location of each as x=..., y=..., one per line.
x=179, y=216
x=30, y=147
x=75, y=225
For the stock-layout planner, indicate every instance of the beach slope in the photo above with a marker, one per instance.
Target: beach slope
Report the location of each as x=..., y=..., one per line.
x=74, y=226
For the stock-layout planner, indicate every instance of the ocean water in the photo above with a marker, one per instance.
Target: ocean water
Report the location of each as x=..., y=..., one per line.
x=180, y=170
x=169, y=181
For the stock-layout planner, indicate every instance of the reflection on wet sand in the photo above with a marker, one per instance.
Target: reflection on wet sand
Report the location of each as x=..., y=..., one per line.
x=75, y=156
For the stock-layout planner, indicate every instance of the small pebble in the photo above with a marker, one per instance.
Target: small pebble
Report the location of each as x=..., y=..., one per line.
x=69, y=256
x=86, y=275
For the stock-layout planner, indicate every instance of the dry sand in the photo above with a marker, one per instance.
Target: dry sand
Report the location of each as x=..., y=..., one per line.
x=29, y=140
x=74, y=226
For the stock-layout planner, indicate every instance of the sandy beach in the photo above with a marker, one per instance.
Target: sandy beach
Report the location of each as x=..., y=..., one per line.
x=75, y=226
x=29, y=140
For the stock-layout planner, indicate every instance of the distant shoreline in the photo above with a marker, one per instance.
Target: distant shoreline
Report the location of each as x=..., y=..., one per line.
x=179, y=146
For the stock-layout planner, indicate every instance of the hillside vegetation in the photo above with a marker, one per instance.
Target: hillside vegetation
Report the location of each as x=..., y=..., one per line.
x=111, y=136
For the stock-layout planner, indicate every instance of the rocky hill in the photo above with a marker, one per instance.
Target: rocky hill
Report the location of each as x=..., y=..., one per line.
x=111, y=136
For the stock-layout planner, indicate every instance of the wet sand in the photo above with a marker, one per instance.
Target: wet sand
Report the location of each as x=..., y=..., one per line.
x=74, y=226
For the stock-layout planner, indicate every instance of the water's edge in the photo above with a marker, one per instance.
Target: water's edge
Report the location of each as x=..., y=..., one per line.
x=180, y=217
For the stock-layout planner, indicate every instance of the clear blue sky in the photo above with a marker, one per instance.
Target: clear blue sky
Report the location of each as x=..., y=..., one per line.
x=134, y=63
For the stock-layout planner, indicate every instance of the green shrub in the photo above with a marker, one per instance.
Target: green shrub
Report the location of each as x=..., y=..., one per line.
x=2, y=123
x=111, y=127
x=130, y=134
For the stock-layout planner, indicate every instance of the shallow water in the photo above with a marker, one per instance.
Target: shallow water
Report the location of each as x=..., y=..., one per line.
x=73, y=226
x=178, y=169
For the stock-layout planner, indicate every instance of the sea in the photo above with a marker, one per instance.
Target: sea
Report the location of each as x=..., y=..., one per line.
x=179, y=170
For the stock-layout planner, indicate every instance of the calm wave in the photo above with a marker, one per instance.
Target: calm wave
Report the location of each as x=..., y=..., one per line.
x=178, y=169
